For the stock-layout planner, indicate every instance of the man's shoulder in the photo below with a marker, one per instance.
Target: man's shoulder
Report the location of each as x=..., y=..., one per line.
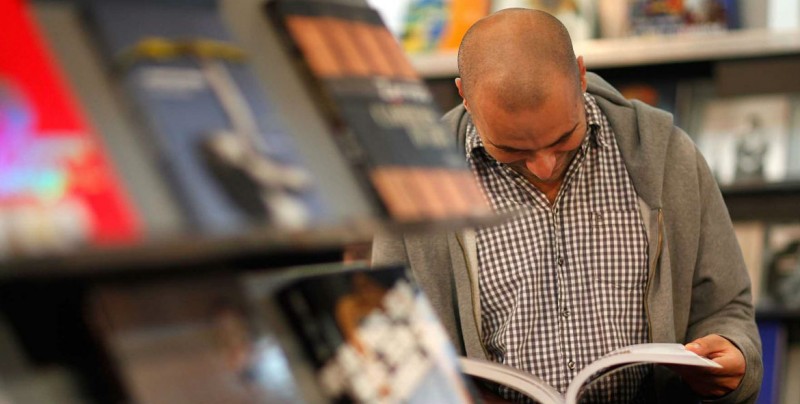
x=455, y=121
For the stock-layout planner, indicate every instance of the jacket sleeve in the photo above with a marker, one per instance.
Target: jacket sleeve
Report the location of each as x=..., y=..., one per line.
x=389, y=249
x=721, y=296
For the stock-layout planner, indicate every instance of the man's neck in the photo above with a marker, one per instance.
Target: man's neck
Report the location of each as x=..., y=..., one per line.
x=549, y=189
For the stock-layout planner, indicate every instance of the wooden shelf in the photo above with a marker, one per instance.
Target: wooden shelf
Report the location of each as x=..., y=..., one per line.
x=650, y=50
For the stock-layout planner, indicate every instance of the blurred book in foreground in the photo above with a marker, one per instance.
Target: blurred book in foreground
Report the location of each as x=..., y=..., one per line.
x=368, y=335
x=380, y=112
x=58, y=190
x=219, y=140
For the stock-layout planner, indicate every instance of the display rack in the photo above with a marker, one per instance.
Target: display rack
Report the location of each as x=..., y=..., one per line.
x=44, y=298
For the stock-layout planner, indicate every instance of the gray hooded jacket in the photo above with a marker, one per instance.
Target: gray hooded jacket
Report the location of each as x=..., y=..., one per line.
x=698, y=284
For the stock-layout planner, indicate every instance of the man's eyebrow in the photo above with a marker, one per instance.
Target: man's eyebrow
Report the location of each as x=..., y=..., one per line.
x=505, y=148
x=514, y=149
x=563, y=137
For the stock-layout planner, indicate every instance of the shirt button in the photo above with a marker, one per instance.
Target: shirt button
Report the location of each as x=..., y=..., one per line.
x=565, y=313
x=571, y=364
x=555, y=210
x=560, y=261
x=598, y=219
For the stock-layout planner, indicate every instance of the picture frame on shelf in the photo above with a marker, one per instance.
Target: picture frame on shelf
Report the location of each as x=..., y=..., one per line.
x=745, y=139
x=782, y=267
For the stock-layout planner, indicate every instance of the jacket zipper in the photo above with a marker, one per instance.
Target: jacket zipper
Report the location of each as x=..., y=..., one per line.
x=653, y=266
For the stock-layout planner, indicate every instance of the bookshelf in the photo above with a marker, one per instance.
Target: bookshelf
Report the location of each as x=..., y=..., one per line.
x=635, y=52
x=46, y=293
x=735, y=63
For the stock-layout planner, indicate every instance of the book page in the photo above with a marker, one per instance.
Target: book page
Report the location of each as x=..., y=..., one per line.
x=514, y=378
x=673, y=354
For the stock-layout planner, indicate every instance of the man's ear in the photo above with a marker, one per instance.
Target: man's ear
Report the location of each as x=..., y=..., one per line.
x=582, y=72
x=461, y=92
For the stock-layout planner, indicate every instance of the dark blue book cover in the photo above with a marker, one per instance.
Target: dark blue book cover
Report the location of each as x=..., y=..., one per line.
x=220, y=140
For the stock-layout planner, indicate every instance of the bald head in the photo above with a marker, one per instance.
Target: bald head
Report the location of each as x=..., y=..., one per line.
x=517, y=57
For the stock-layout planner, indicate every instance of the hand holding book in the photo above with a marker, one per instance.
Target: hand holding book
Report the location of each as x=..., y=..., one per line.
x=535, y=388
x=714, y=382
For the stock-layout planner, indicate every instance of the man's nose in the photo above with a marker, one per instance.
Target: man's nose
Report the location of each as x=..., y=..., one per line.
x=541, y=165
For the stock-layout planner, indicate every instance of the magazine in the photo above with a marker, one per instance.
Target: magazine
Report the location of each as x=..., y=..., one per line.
x=535, y=388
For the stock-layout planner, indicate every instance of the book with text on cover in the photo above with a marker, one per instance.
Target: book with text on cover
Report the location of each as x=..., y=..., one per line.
x=535, y=388
x=379, y=111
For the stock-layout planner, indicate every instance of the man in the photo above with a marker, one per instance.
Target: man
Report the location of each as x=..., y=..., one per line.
x=624, y=237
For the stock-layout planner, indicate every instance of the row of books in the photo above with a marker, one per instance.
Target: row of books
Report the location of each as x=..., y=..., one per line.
x=439, y=25
x=175, y=130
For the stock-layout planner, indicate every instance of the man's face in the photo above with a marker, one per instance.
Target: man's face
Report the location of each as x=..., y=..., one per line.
x=539, y=143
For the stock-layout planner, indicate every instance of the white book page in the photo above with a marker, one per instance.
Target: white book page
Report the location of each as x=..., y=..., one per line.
x=514, y=378
x=673, y=354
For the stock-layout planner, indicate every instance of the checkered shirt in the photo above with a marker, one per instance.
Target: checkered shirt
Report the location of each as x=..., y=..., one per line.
x=562, y=285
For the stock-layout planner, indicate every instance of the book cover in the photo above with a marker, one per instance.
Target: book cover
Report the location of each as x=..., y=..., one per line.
x=58, y=189
x=132, y=154
x=189, y=341
x=369, y=334
x=221, y=142
x=745, y=139
x=659, y=17
x=380, y=112
x=439, y=25
x=578, y=16
x=660, y=93
x=424, y=25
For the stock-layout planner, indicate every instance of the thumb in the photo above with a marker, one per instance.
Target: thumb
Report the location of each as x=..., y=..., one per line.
x=702, y=346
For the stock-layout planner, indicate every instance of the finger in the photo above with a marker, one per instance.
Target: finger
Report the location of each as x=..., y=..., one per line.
x=708, y=345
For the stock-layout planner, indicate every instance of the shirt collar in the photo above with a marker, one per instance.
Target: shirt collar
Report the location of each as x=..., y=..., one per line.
x=594, y=121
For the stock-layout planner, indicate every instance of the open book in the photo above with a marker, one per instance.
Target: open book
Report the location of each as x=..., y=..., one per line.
x=533, y=387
